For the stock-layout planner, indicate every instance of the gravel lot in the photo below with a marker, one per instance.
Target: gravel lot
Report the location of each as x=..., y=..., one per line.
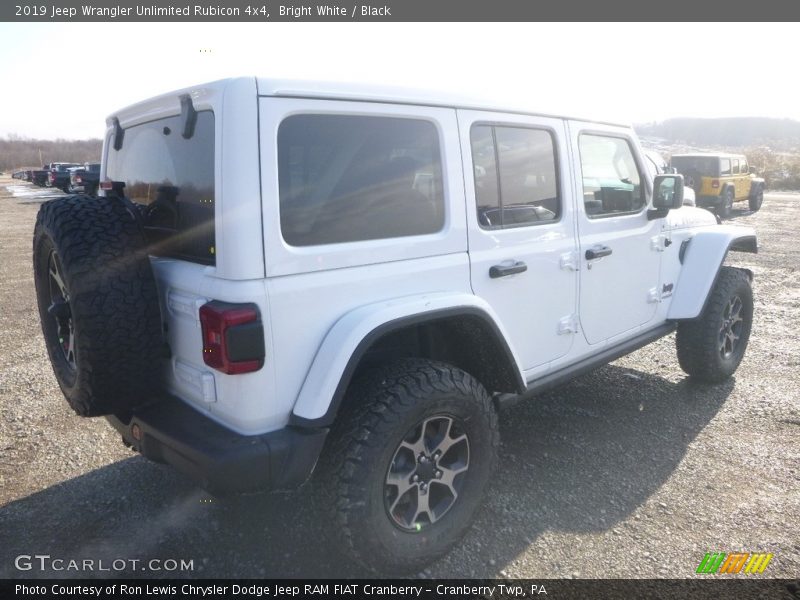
x=631, y=471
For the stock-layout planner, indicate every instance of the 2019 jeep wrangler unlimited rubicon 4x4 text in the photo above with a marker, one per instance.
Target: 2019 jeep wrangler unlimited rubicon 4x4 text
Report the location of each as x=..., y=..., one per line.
x=281, y=279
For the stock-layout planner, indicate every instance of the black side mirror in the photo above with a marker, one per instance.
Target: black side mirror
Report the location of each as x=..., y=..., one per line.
x=667, y=194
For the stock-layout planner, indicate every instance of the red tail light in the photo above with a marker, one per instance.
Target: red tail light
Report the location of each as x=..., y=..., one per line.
x=715, y=183
x=52, y=177
x=233, y=337
x=78, y=179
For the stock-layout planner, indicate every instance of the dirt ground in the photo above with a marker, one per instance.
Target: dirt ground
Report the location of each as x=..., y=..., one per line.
x=630, y=471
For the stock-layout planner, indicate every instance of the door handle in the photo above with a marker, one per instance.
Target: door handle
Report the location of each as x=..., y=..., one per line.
x=506, y=270
x=598, y=252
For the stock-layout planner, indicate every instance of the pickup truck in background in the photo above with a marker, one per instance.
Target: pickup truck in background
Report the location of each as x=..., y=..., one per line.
x=38, y=176
x=58, y=177
x=41, y=177
x=84, y=179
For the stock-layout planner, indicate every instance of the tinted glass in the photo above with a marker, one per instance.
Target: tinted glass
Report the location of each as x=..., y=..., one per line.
x=159, y=166
x=611, y=180
x=735, y=166
x=524, y=161
x=697, y=166
x=744, y=167
x=347, y=178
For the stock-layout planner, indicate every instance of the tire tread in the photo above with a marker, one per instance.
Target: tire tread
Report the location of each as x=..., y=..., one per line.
x=114, y=301
x=363, y=422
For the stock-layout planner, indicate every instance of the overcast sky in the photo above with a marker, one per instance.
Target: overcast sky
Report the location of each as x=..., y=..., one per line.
x=623, y=72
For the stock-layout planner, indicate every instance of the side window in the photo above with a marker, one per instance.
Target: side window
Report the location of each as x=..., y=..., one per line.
x=744, y=168
x=725, y=166
x=735, y=166
x=346, y=178
x=612, y=184
x=516, y=182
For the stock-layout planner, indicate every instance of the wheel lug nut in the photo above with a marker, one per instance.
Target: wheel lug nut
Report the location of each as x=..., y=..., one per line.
x=438, y=474
x=423, y=459
x=415, y=478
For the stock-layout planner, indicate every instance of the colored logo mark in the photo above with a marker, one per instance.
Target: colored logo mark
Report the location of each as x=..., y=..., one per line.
x=737, y=562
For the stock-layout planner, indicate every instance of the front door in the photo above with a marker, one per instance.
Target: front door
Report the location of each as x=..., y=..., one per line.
x=619, y=246
x=520, y=216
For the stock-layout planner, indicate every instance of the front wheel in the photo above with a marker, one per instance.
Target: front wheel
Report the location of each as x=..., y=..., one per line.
x=408, y=463
x=711, y=347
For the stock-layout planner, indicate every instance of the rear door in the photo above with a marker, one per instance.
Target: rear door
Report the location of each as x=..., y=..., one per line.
x=620, y=248
x=520, y=214
x=363, y=204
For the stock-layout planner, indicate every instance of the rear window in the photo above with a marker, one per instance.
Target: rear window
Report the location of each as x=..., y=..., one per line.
x=346, y=178
x=696, y=165
x=175, y=177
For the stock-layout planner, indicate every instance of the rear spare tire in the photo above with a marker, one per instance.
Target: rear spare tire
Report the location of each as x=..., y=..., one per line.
x=98, y=304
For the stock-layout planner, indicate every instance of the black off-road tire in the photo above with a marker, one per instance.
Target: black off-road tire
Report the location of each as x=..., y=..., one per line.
x=756, y=199
x=725, y=204
x=699, y=341
x=380, y=411
x=108, y=305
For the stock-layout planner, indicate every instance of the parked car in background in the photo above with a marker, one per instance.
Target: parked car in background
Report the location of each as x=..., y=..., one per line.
x=58, y=177
x=719, y=180
x=85, y=179
x=657, y=165
x=39, y=176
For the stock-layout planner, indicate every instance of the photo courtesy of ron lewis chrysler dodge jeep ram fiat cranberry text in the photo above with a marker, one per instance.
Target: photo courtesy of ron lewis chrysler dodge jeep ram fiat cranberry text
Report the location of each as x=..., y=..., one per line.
x=284, y=281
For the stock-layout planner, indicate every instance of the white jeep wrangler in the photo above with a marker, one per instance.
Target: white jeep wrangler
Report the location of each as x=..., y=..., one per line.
x=282, y=279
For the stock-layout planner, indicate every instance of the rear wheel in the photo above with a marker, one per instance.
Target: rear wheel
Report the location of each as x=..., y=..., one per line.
x=408, y=462
x=711, y=347
x=726, y=204
x=98, y=304
x=756, y=199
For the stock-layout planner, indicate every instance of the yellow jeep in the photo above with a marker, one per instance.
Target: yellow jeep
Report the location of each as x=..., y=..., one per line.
x=719, y=180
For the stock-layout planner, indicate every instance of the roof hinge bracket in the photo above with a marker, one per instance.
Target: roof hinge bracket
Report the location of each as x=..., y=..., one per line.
x=188, y=116
x=119, y=134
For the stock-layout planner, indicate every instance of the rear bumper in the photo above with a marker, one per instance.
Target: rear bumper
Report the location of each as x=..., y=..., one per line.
x=221, y=460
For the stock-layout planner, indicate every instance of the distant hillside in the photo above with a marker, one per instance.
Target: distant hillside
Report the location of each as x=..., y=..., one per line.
x=17, y=152
x=778, y=134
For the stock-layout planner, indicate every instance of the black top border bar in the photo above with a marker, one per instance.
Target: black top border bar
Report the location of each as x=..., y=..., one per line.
x=712, y=11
